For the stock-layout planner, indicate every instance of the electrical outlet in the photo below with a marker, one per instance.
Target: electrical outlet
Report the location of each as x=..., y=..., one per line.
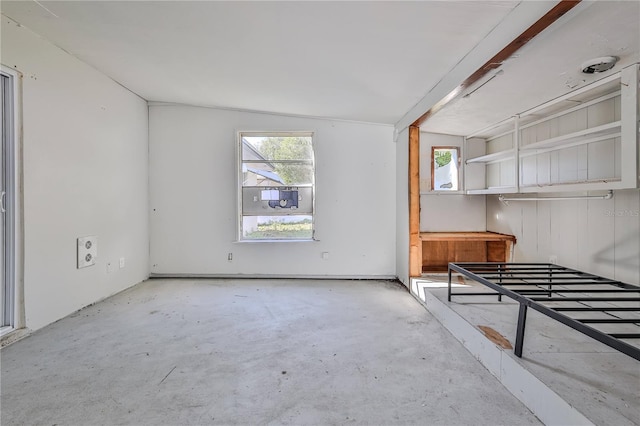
x=553, y=259
x=121, y=262
x=230, y=257
x=325, y=255
x=87, y=251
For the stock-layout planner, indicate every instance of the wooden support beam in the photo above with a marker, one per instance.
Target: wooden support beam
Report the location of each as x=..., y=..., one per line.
x=540, y=25
x=415, y=244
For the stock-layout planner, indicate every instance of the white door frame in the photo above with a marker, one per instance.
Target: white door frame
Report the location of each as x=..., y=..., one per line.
x=12, y=202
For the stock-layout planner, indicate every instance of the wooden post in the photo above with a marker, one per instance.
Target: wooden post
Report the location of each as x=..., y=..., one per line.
x=415, y=245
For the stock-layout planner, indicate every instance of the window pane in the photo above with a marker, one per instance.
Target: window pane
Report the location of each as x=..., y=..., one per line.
x=277, y=148
x=445, y=169
x=277, y=201
x=276, y=174
x=260, y=174
x=295, y=174
x=277, y=227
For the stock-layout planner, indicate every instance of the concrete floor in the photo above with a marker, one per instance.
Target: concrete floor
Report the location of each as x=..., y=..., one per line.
x=599, y=382
x=322, y=352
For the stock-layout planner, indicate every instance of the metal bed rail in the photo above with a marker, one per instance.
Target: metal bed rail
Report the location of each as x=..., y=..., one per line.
x=555, y=291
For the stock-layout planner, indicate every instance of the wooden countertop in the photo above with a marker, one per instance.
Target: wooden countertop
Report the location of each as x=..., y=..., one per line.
x=465, y=236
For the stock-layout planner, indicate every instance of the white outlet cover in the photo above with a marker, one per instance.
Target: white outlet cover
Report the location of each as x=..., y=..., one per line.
x=87, y=251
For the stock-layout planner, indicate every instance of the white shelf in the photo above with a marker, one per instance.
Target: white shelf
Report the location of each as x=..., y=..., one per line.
x=528, y=153
x=493, y=190
x=578, y=107
x=493, y=158
x=582, y=135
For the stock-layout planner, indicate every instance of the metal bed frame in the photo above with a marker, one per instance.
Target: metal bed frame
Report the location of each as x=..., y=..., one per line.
x=554, y=290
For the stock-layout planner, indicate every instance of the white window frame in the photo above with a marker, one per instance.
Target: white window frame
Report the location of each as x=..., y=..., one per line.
x=240, y=174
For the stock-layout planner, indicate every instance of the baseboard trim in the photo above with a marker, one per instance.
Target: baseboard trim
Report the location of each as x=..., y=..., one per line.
x=274, y=276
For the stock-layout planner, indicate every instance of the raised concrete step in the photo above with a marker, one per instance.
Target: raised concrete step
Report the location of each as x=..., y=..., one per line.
x=564, y=377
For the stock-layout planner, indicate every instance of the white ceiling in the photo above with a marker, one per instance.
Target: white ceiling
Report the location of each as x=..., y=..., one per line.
x=364, y=60
x=368, y=61
x=547, y=67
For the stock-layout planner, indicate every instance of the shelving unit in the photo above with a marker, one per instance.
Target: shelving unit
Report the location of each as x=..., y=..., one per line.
x=584, y=140
x=490, y=159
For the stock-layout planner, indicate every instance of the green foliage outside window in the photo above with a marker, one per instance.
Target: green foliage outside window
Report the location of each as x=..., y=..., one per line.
x=442, y=157
x=289, y=148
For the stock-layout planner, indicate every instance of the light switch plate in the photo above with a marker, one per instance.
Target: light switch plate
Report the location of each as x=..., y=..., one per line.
x=87, y=251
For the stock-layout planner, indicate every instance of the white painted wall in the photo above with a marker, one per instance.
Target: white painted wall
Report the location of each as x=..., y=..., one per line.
x=193, y=190
x=402, y=207
x=597, y=236
x=85, y=173
x=446, y=212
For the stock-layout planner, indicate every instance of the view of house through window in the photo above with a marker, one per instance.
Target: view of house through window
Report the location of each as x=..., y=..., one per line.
x=445, y=168
x=277, y=186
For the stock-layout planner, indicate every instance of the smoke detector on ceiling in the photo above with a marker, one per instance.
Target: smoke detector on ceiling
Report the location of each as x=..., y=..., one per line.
x=602, y=64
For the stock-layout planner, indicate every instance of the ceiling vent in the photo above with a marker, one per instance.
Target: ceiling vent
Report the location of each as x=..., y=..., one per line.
x=599, y=64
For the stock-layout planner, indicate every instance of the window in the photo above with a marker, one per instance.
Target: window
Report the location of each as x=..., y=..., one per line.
x=445, y=166
x=276, y=190
x=8, y=190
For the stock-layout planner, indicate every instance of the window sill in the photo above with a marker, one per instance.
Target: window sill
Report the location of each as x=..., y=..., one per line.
x=277, y=241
